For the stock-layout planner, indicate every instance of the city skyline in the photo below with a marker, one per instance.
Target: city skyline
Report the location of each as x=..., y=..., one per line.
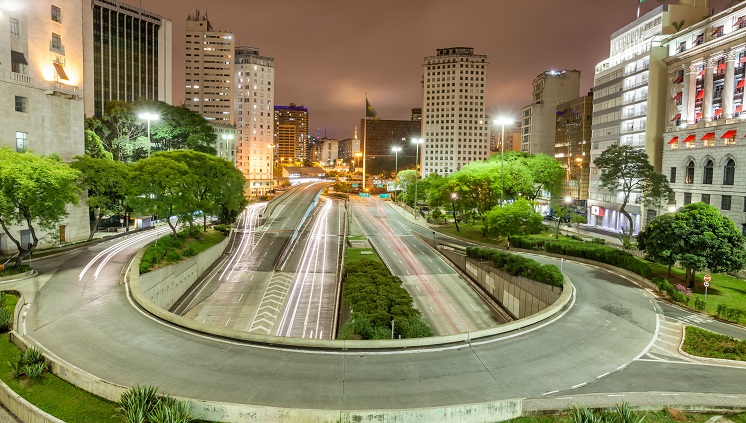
x=386, y=64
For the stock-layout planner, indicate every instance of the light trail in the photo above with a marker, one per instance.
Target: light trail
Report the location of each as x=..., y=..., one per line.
x=455, y=318
x=306, y=278
x=249, y=228
x=109, y=252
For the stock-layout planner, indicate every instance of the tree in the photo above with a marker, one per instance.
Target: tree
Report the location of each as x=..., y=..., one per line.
x=407, y=180
x=105, y=181
x=698, y=237
x=625, y=169
x=121, y=131
x=663, y=239
x=216, y=187
x=516, y=218
x=179, y=128
x=578, y=220
x=35, y=192
x=94, y=147
x=158, y=185
x=548, y=175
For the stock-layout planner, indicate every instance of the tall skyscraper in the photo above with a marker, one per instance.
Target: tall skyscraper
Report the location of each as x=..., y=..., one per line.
x=291, y=127
x=209, y=80
x=572, y=145
x=254, y=109
x=538, y=119
x=454, y=124
x=209, y=70
x=629, y=102
x=382, y=135
x=41, y=74
x=127, y=54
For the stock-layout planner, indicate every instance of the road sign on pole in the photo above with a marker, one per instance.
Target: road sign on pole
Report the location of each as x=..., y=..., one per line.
x=707, y=278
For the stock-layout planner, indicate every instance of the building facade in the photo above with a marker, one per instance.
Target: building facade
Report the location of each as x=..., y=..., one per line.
x=572, y=145
x=630, y=101
x=292, y=132
x=454, y=124
x=381, y=136
x=225, y=143
x=538, y=119
x=512, y=138
x=128, y=55
x=208, y=77
x=41, y=76
x=704, y=153
x=254, y=110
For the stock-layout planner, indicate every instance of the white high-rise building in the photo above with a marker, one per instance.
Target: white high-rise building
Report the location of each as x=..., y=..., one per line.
x=629, y=102
x=41, y=104
x=454, y=124
x=539, y=119
x=254, y=109
x=209, y=70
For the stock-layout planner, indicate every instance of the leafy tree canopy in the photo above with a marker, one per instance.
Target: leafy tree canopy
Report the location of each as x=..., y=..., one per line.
x=34, y=192
x=105, y=181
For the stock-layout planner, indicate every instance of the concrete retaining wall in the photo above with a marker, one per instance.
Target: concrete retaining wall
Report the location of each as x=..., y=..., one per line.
x=521, y=297
x=23, y=409
x=164, y=286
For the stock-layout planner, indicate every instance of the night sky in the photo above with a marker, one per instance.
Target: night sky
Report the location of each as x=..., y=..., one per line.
x=329, y=53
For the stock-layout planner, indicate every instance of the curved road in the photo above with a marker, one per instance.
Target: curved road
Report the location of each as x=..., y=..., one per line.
x=91, y=323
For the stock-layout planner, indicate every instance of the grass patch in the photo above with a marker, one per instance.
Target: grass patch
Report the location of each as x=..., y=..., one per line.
x=354, y=255
x=52, y=394
x=704, y=343
x=470, y=232
x=723, y=290
x=169, y=249
x=14, y=270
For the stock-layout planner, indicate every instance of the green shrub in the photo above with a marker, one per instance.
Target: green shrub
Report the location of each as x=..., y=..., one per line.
x=517, y=265
x=224, y=229
x=29, y=363
x=15, y=270
x=729, y=313
x=376, y=298
x=189, y=252
x=599, y=241
x=173, y=256
x=6, y=320
x=699, y=303
x=137, y=403
x=703, y=343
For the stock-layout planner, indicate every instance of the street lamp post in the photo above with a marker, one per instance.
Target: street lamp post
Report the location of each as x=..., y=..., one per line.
x=454, y=198
x=396, y=151
x=358, y=155
x=417, y=142
x=502, y=122
x=148, y=117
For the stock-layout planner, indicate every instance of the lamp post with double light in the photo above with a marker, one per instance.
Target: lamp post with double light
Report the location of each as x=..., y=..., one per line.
x=396, y=151
x=454, y=198
x=502, y=121
x=417, y=142
x=147, y=116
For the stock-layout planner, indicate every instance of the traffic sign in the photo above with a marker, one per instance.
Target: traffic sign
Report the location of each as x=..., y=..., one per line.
x=364, y=195
x=354, y=185
x=707, y=284
x=707, y=278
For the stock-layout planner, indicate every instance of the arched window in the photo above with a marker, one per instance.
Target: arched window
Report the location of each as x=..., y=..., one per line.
x=729, y=174
x=707, y=176
x=689, y=178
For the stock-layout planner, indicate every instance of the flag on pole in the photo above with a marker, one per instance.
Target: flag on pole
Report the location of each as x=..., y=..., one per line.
x=370, y=112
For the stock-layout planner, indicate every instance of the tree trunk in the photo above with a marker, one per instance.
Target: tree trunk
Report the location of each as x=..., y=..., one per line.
x=204, y=221
x=95, y=225
x=669, y=270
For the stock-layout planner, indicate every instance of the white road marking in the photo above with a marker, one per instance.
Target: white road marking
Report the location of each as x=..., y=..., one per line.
x=229, y=320
x=603, y=375
x=579, y=385
x=616, y=395
x=239, y=298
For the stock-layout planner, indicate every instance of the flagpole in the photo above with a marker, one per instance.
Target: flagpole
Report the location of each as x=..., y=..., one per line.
x=639, y=2
x=365, y=136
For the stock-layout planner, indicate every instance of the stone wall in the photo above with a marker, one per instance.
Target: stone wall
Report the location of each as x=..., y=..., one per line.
x=519, y=296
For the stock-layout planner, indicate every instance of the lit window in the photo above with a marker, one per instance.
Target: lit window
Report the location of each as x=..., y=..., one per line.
x=21, y=141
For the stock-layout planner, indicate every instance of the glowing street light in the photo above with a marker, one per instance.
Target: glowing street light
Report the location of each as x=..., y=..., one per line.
x=149, y=117
x=502, y=122
x=396, y=151
x=417, y=142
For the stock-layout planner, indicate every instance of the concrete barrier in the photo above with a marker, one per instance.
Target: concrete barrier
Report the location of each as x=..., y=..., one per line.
x=521, y=297
x=18, y=277
x=22, y=409
x=164, y=286
x=495, y=411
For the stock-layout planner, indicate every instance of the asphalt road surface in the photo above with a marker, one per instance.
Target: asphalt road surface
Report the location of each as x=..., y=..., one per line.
x=603, y=341
x=445, y=299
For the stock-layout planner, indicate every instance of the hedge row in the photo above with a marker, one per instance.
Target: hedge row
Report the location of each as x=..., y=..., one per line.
x=586, y=250
x=376, y=298
x=168, y=248
x=518, y=265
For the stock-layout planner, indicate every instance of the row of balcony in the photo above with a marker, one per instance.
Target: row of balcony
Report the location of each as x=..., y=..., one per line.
x=15, y=77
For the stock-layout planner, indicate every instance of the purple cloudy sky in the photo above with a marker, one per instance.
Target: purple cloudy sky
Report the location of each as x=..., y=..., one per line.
x=329, y=53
